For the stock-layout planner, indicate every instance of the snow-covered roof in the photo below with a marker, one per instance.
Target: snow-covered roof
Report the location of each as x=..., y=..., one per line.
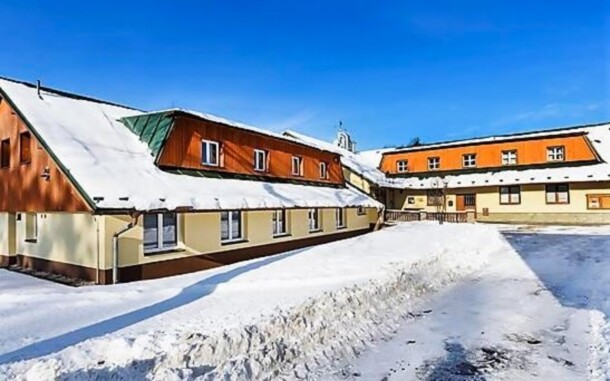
x=234, y=124
x=113, y=169
x=362, y=166
x=597, y=134
x=554, y=132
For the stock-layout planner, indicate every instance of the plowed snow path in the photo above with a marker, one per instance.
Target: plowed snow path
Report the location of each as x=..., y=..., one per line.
x=538, y=311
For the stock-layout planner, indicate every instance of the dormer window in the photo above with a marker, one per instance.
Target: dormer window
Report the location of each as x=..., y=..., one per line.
x=402, y=166
x=323, y=170
x=260, y=160
x=434, y=163
x=297, y=166
x=509, y=157
x=555, y=153
x=469, y=160
x=210, y=152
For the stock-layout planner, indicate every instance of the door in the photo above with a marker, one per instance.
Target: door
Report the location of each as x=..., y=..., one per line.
x=466, y=202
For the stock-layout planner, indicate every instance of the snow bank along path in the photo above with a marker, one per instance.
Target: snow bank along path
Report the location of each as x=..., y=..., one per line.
x=279, y=316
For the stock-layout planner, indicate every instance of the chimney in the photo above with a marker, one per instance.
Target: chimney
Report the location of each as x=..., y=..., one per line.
x=38, y=88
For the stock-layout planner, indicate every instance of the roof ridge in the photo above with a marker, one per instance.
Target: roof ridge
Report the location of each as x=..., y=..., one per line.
x=507, y=135
x=68, y=94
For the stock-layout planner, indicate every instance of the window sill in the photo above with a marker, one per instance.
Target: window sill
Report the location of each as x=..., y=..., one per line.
x=315, y=231
x=341, y=227
x=164, y=250
x=210, y=165
x=31, y=240
x=233, y=242
x=282, y=235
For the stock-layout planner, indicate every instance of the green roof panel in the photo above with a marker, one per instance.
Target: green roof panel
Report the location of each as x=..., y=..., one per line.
x=152, y=129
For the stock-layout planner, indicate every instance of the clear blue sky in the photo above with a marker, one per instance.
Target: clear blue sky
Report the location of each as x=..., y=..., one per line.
x=438, y=70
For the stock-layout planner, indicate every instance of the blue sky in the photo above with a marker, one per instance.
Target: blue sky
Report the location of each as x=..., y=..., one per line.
x=389, y=70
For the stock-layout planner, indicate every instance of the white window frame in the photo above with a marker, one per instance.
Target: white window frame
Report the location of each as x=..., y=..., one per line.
x=556, y=153
x=314, y=220
x=323, y=170
x=340, y=218
x=402, y=166
x=297, y=166
x=233, y=237
x=279, y=223
x=260, y=160
x=160, y=244
x=31, y=227
x=207, y=160
x=469, y=160
x=434, y=163
x=509, y=157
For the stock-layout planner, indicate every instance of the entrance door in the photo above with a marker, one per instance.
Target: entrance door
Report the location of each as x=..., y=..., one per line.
x=466, y=202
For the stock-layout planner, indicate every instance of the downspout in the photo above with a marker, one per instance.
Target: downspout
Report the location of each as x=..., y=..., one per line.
x=115, y=246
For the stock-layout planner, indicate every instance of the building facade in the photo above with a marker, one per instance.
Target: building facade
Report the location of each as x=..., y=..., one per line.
x=105, y=193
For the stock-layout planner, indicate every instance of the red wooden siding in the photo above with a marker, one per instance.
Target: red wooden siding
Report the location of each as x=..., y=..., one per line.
x=183, y=150
x=489, y=155
x=22, y=188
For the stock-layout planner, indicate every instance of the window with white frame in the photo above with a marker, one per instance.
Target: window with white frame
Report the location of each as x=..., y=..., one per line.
x=314, y=220
x=402, y=166
x=510, y=195
x=297, y=166
x=555, y=153
x=260, y=160
x=231, y=227
x=31, y=227
x=361, y=211
x=279, y=223
x=323, y=170
x=469, y=160
x=509, y=157
x=340, y=216
x=160, y=232
x=210, y=153
x=434, y=163
x=557, y=194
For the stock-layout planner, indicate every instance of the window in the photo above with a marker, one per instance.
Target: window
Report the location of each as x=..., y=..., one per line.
x=31, y=227
x=402, y=166
x=555, y=153
x=509, y=157
x=297, y=166
x=260, y=160
x=230, y=226
x=469, y=160
x=557, y=194
x=314, y=220
x=323, y=170
x=434, y=163
x=510, y=195
x=598, y=201
x=160, y=232
x=361, y=211
x=435, y=197
x=5, y=153
x=210, y=153
x=25, y=147
x=340, y=217
x=279, y=223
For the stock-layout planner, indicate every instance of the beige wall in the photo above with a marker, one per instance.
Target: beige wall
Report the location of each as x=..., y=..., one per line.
x=62, y=237
x=199, y=233
x=533, y=206
x=7, y=234
x=356, y=180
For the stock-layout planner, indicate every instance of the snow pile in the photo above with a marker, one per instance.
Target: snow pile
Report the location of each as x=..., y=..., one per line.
x=304, y=312
x=117, y=170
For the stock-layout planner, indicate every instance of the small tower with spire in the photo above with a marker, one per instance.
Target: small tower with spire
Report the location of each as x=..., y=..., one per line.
x=344, y=140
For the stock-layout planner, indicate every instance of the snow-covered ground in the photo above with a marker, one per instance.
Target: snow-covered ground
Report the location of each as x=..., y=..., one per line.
x=430, y=299
x=538, y=310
